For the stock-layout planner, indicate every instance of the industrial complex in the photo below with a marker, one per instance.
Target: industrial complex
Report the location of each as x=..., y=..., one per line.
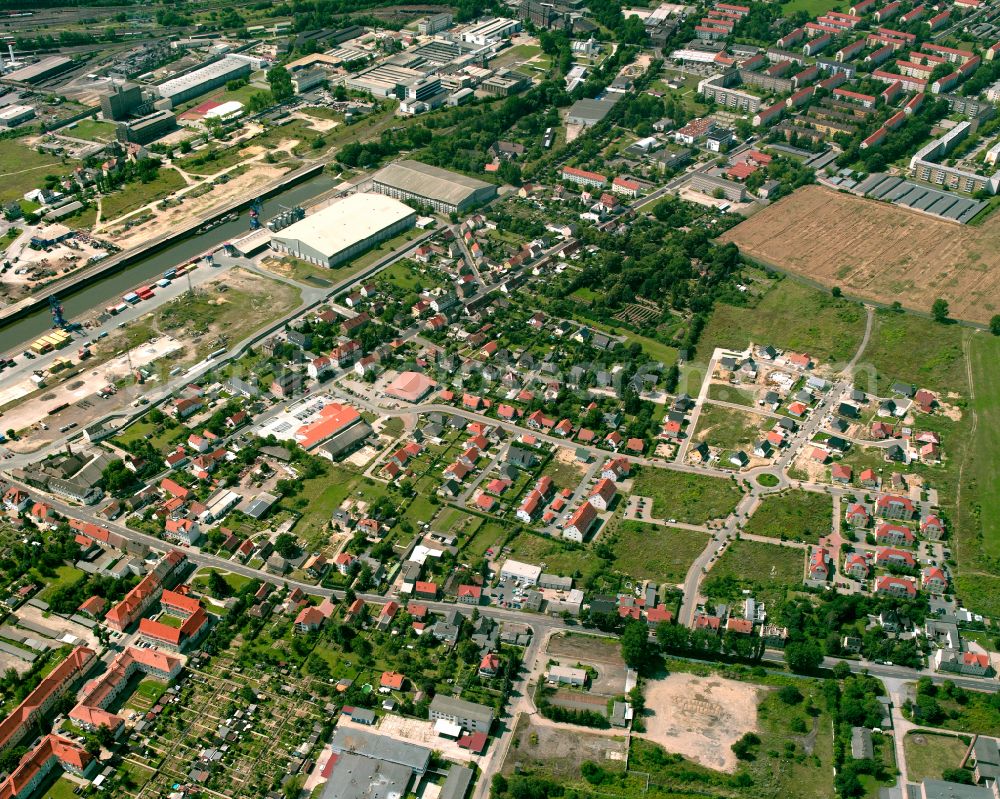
x=442, y=190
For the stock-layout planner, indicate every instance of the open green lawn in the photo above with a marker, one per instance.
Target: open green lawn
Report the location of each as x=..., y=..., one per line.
x=297, y=269
x=915, y=350
x=138, y=774
x=523, y=51
x=161, y=437
x=62, y=788
x=236, y=581
x=976, y=533
x=689, y=498
x=656, y=350
x=860, y=458
x=928, y=755
x=405, y=275
x=559, y=558
x=767, y=567
x=730, y=429
x=23, y=169
x=65, y=575
x=565, y=474
x=320, y=112
x=734, y=394
x=170, y=621
x=321, y=496
x=796, y=515
x=489, y=535
x=91, y=130
x=814, y=8
x=136, y=195
x=652, y=552
x=975, y=713
x=151, y=689
x=792, y=316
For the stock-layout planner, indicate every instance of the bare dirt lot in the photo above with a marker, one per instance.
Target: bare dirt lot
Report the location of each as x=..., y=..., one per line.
x=879, y=251
x=700, y=717
x=601, y=653
x=164, y=221
x=560, y=751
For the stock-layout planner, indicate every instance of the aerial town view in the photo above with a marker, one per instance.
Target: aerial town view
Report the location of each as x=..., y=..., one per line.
x=502, y=399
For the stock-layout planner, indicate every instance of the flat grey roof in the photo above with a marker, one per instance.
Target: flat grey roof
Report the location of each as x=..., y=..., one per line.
x=594, y=110
x=939, y=789
x=453, y=706
x=216, y=69
x=356, y=777
x=429, y=181
x=457, y=783
x=380, y=747
x=39, y=69
x=347, y=438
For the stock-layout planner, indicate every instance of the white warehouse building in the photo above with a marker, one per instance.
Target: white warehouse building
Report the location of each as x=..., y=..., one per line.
x=345, y=229
x=194, y=84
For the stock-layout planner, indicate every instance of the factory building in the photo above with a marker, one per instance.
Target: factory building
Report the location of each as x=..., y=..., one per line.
x=435, y=23
x=147, y=128
x=385, y=80
x=306, y=79
x=504, y=84
x=14, y=115
x=121, y=102
x=345, y=229
x=444, y=191
x=39, y=71
x=194, y=84
x=491, y=31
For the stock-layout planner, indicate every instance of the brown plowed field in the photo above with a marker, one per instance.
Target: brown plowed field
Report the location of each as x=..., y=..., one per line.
x=880, y=251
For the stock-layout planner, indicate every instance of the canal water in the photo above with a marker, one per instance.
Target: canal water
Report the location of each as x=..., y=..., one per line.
x=147, y=270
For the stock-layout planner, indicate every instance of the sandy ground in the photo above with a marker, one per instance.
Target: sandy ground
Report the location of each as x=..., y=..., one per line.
x=560, y=749
x=316, y=777
x=8, y=661
x=57, y=624
x=163, y=221
x=317, y=123
x=879, y=250
x=418, y=732
x=81, y=386
x=815, y=471
x=700, y=717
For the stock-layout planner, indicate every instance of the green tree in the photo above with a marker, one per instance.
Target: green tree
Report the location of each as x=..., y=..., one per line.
x=803, y=656
x=280, y=82
x=117, y=480
x=286, y=546
x=636, y=649
x=743, y=748
x=217, y=585
x=939, y=310
x=995, y=325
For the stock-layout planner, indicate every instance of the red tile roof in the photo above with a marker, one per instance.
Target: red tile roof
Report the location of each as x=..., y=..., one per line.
x=74, y=666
